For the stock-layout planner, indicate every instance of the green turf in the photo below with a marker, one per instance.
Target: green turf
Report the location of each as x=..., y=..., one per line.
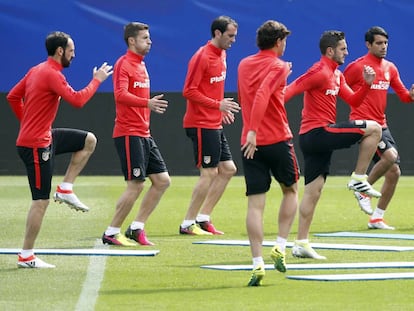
x=173, y=280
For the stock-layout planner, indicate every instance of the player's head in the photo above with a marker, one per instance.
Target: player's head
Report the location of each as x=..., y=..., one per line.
x=376, y=40
x=271, y=33
x=61, y=46
x=223, y=32
x=373, y=31
x=333, y=45
x=137, y=37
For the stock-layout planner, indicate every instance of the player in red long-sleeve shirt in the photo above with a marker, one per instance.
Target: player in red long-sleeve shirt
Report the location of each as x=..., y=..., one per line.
x=267, y=147
x=320, y=135
x=373, y=107
x=206, y=110
x=138, y=153
x=35, y=100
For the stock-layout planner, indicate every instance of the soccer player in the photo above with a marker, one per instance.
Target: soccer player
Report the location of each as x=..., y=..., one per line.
x=267, y=147
x=206, y=110
x=373, y=107
x=137, y=150
x=320, y=135
x=35, y=101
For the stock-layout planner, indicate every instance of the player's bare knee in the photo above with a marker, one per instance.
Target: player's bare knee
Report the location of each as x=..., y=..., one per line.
x=373, y=129
x=90, y=142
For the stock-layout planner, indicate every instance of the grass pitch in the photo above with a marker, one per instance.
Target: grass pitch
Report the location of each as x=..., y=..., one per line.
x=173, y=280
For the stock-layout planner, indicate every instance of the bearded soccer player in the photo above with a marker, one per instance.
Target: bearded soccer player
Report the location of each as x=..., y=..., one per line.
x=267, y=147
x=206, y=110
x=320, y=135
x=139, y=155
x=373, y=107
x=35, y=100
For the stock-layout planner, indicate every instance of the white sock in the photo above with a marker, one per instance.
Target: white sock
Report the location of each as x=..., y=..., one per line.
x=112, y=230
x=26, y=253
x=378, y=213
x=304, y=241
x=358, y=177
x=187, y=223
x=137, y=225
x=202, y=217
x=257, y=261
x=66, y=186
x=281, y=242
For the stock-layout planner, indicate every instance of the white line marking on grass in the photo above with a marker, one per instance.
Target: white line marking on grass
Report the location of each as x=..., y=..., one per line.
x=92, y=284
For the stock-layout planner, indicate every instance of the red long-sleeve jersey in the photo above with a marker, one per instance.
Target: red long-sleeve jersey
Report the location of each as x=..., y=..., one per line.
x=35, y=100
x=321, y=84
x=132, y=93
x=375, y=103
x=204, y=88
x=261, y=82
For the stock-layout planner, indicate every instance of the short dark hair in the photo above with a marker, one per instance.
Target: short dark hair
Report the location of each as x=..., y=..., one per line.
x=54, y=40
x=132, y=29
x=221, y=24
x=268, y=33
x=330, y=39
x=376, y=30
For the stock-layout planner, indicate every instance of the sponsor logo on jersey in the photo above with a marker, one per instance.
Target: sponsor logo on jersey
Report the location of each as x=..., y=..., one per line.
x=218, y=78
x=142, y=85
x=333, y=92
x=380, y=85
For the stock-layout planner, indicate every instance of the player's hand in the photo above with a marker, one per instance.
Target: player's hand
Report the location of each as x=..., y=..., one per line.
x=103, y=72
x=249, y=148
x=289, y=64
x=369, y=74
x=229, y=105
x=228, y=117
x=157, y=104
x=412, y=92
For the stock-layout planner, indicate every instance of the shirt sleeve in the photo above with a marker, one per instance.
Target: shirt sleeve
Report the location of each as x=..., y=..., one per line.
x=196, y=68
x=60, y=86
x=309, y=80
x=349, y=96
x=398, y=86
x=16, y=98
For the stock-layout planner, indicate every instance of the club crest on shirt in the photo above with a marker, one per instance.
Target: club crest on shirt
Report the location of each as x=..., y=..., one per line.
x=207, y=159
x=381, y=145
x=45, y=155
x=387, y=76
x=136, y=172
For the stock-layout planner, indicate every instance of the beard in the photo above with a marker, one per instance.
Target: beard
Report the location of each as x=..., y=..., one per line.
x=65, y=61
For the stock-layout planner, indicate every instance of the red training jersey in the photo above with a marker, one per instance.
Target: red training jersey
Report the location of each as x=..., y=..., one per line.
x=321, y=84
x=261, y=83
x=375, y=103
x=204, y=88
x=132, y=93
x=35, y=100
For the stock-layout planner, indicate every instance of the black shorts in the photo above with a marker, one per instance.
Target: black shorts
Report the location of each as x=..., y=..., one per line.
x=318, y=145
x=39, y=162
x=278, y=160
x=139, y=157
x=209, y=146
x=387, y=142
